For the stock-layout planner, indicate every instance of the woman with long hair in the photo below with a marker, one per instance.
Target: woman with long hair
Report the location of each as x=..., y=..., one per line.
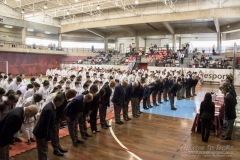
x=207, y=110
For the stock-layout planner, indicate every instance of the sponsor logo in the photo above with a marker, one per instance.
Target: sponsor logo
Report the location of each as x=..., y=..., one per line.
x=215, y=76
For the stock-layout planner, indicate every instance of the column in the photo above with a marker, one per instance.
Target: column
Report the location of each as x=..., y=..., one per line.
x=180, y=42
x=59, y=40
x=116, y=44
x=219, y=42
x=137, y=43
x=105, y=44
x=24, y=35
x=145, y=44
x=174, y=42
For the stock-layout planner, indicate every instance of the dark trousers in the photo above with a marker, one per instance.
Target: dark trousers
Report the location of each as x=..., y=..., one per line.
x=134, y=103
x=165, y=92
x=72, y=128
x=125, y=110
x=145, y=103
x=205, y=128
x=229, y=130
x=182, y=60
x=4, y=152
x=55, y=137
x=148, y=101
x=82, y=124
x=102, y=114
x=193, y=90
x=171, y=98
x=188, y=92
x=117, y=111
x=93, y=119
x=154, y=97
x=42, y=148
x=159, y=94
x=138, y=108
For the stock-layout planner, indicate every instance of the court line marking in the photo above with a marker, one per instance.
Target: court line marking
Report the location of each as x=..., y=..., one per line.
x=120, y=143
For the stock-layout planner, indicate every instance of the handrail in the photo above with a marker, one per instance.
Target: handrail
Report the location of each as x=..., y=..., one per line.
x=207, y=50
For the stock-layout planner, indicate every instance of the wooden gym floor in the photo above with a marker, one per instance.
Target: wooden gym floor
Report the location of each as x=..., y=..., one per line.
x=149, y=137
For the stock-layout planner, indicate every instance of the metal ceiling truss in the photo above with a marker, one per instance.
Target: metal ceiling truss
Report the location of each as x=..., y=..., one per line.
x=220, y=3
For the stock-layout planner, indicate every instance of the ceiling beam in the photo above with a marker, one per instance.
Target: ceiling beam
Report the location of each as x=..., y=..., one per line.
x=233, y=27
x=216, y=22
x=98, y=33
x=129, y=30
x=232, y=12
x=169, y=27
x=152, y=26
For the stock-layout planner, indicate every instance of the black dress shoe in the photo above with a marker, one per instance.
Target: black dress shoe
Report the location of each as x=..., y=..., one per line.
x=88, y=135
x=120, y=122
x=135, y=116
x=174, y=109
x=104, y=127
x=79, y=141
x=75, y=144
x=226, y=138
x=63, y=150
x=17, y=140
x=126, y=119
x=160, y=102
x=94, y=132
x=58, y=153
x=108, y=125
x=129, y=118
x=84, y=137
x=32, y=140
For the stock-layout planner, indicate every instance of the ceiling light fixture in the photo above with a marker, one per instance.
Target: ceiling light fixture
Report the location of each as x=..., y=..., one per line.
x=47, y=32
x=7, y=26
x=30, y=30
x=68, y=12
x=5, y=1
x=45, y=6
x=76, y=0
x=22, y=11
x=228, y=26
x=98, y=7
x=136, y=2
x=18, y=0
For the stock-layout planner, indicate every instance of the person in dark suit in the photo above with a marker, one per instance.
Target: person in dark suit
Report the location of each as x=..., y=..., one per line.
x=194, y=84
x=118, y=100
x=57, y=149
x=45, y=125
x=134, y=94
x=10, y=123
x=106, y=103
x=93, y=108
x=160, y=90
x=172, y=93
x=145, y=95
x=96, y=102
x=74, y=109
x=155, y=91
x=188, y=86
x=229, y=111
x=140, y=94
x=165, y=89
x=2, y=92
x=207, y=110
